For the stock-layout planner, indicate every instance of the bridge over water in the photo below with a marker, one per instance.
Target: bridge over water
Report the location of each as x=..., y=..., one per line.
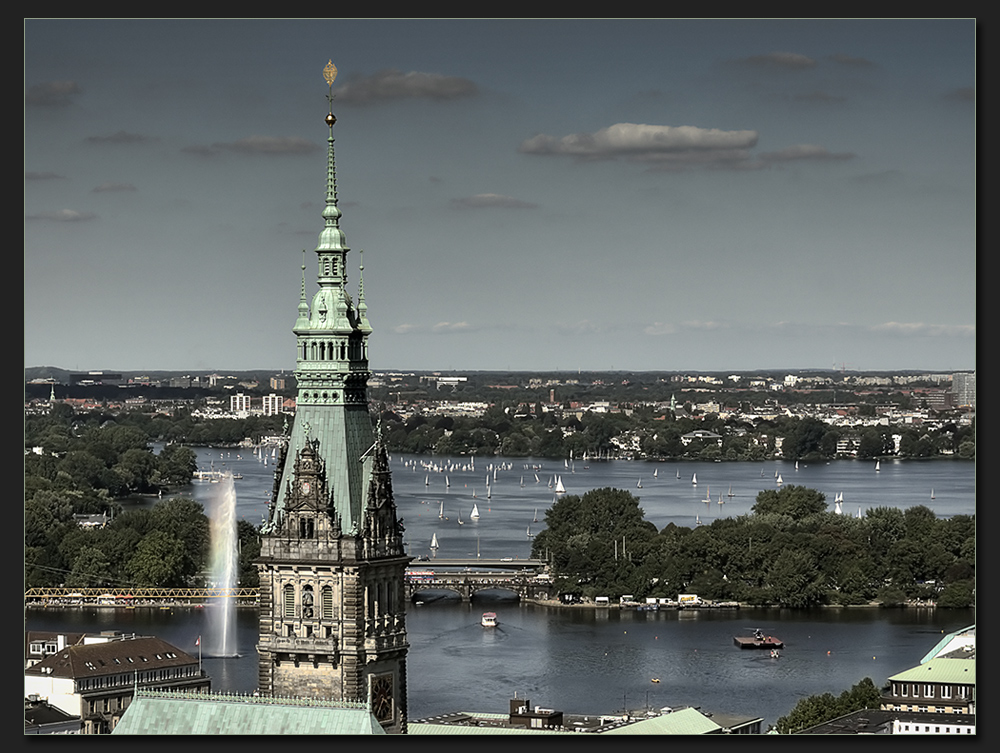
x=466, y=577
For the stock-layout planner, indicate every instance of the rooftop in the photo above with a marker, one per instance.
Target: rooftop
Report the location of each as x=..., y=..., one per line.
x=191, y=713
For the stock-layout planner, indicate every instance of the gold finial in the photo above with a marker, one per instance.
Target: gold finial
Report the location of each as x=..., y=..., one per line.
x=330, y=73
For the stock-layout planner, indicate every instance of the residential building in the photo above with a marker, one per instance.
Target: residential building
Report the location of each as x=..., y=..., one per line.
x=239, y=404
x=273, y=404
x=96, y=681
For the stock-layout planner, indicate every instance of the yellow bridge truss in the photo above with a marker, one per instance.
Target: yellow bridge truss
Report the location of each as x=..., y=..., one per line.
x=126, y=595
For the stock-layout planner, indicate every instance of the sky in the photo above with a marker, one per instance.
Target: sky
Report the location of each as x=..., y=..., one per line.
x=528, y=195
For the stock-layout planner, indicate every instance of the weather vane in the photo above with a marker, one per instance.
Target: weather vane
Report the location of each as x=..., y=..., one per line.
x=330, y=73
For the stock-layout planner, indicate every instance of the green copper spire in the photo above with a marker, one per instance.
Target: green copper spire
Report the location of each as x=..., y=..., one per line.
x=331, y=368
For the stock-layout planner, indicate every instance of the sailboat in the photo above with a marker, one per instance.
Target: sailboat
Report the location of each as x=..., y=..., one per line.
x=475, y=512
x=427, y=480
x=694, y=478
x=678, y=473
x=730, y=494
x=447, y=482
x=434, y=541
x=779, y=481
x=460, y=521
x=441, y=511
x=837, y=501
x=877, y=468
x=639, y=485
x=535, y=519
x=560, y=489
x=655, y=472
x=530, y=534
x=932, y=494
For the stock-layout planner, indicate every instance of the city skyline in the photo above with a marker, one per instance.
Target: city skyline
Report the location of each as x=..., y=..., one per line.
x=648, y=195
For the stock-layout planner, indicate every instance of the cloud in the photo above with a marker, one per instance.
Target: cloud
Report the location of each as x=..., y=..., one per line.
x=491, y=200
x=804, y=152
x=921, y=329
x=389, y=84
x=63, y=215
x=113, y=187
x=780, y=61
x=657, y=329
x=269, y=145
x=122, y=137
x=52, y=94
x=451, y=327
x=647, y=143
x=441, y=328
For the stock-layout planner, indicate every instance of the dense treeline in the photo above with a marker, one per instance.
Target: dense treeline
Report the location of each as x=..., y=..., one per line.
x=789, y=551
x=516, y=430
x=82, y=464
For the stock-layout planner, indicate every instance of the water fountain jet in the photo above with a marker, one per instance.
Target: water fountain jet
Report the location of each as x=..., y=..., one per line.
x=221, y=640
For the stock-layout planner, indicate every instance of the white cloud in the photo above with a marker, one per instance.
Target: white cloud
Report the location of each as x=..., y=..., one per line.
x=642, y=142
x=63, y=215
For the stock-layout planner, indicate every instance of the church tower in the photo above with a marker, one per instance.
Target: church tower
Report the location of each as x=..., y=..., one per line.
x=332, y=563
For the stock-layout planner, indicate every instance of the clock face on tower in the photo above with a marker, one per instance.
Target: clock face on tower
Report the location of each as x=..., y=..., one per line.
x=382, y=697
x=306, y=486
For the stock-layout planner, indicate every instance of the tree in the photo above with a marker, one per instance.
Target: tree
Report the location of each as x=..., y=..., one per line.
x=90, y=569
x=158, y=561
x=817, y=709
x=797, y=502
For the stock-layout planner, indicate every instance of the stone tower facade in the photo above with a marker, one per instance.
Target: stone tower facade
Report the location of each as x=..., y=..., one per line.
x=332, y=562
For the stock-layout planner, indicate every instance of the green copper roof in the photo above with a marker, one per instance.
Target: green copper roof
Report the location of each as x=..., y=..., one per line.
x=962, y=671
x=166, y=713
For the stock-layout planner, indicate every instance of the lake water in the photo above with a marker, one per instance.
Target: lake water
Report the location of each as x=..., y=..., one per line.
x=583, y=660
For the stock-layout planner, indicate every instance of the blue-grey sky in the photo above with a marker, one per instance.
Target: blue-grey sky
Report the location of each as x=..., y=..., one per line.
x=529, y=195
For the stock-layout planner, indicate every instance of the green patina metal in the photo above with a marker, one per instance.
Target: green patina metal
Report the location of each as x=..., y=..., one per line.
x=187, y=713
x=332, y=371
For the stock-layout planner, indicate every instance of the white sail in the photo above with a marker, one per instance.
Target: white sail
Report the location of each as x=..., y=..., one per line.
x=694, y=478
x=639, y=485
x=779, y=480
x=560, y=489
x=475, y=512
x=434, y=541
x=441, y=511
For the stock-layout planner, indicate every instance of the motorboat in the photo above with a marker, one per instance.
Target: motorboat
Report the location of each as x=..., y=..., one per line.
x=489, y=619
